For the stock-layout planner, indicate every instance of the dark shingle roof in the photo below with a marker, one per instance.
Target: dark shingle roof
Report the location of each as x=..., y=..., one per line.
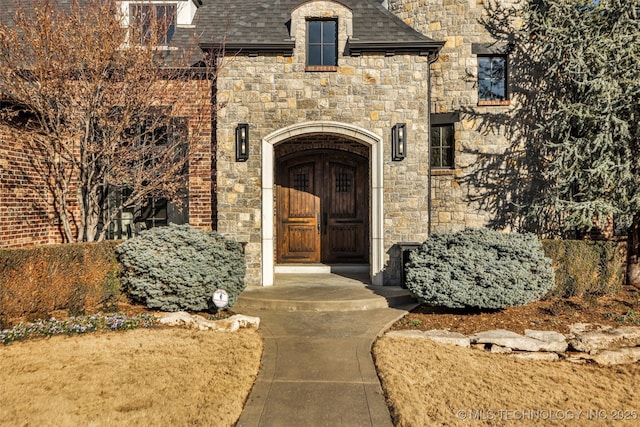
x=264, y=25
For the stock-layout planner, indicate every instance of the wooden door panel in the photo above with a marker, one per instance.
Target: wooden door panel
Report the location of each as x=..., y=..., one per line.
x=345, y=240
x=298, y=206
x=322, y=209
x=342, y=191
x=301, y=243
x=302, y=200
x=346, y=209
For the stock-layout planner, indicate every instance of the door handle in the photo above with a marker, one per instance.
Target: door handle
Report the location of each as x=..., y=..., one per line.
x=319, y=224
x=325, y=220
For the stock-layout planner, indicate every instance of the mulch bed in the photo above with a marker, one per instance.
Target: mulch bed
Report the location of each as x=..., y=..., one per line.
x=555, y=314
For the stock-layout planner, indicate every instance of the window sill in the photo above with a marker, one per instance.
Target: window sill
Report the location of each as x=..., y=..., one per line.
x=505, y=102
x=443, y=172
x=321, y=68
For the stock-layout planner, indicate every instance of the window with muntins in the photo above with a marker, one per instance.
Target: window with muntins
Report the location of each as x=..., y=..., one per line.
x=492, y=78
x=154, y=21
x=442, y=146
x=322, y=43
x=152, y=212
x=152, y=136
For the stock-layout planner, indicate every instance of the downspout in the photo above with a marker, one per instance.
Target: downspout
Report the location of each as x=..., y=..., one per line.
x=214, y=152
x=433, y=57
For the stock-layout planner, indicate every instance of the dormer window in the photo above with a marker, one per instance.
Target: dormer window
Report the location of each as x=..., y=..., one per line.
x=322, y=45
x=154, y=22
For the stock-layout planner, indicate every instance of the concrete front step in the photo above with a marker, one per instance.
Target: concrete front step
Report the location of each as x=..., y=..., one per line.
x=322, y=292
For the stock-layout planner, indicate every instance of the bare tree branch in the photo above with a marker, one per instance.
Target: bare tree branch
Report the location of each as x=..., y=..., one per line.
x=95, y=102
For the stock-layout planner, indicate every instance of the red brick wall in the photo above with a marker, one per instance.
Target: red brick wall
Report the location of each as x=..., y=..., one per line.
x=195, y=103
x=26, y=218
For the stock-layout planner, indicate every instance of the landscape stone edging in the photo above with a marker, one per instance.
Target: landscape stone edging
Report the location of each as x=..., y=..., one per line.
x=603, y=345
x=230, y=324
x=590, y=338
x=519, y=342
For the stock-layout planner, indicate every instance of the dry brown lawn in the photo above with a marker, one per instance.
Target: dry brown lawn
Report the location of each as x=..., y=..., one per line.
x=150, y=377
x=175, y=376
x=429, y=384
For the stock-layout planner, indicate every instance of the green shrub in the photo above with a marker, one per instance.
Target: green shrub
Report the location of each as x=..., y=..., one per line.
x=586, y=267
x=37, y=281
x=479, y=268
x=179, y=267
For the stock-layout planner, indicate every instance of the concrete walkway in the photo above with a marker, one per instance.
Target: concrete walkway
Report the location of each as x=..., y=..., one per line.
x=317, y=368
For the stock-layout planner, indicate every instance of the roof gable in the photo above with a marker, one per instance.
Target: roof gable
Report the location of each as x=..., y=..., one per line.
x=265, y=26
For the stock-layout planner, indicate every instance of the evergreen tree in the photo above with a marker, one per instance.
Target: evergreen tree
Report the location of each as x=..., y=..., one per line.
x=575, y=80
x=588, y=100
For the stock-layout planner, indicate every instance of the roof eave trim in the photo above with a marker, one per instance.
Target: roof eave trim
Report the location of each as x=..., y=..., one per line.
x=424, y=48
x=284, y=48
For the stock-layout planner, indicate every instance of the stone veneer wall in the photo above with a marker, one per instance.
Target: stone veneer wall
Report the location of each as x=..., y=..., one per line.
x=454, y=88
x=371, y=91
x=26, y=214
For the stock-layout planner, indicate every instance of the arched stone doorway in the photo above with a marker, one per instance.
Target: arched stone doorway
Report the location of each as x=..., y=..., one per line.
x=323, y=151
x=322, y=203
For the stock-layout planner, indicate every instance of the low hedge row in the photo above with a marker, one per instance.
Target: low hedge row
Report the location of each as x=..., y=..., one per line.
x=586, y=267
x=167, y=268
x=37, y=281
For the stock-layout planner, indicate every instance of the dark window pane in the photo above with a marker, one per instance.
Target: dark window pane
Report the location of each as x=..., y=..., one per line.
x=141, y=20
x=492, y=76
x=169, y=35
x=497, y=68
x=329, y=31
x=484, y=68
x=148, y=19
x=448, y=162
x=436, y=155
x=484, y=89
x=498, y=91
x=315, y=55
x=322, y=43
x=315, y=31
x=167, y=21
x=435, y=136
x=329, y=55
x=447, y=136
x=442, y=146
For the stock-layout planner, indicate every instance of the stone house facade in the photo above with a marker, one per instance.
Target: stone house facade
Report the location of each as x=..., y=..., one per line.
x=321, y=154
x=455, y=100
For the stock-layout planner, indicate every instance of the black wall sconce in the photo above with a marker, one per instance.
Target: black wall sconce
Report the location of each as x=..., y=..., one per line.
x=398, y=141
x=242, y=142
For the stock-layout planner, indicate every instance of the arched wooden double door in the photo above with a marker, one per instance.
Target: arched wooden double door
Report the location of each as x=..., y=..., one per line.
x=322, y=208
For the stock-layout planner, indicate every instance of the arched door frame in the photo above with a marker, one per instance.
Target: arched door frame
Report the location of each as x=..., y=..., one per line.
x=352, y=132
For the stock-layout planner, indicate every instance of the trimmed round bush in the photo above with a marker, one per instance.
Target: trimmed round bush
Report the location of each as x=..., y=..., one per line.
x=179, y=267
x=479, y=268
